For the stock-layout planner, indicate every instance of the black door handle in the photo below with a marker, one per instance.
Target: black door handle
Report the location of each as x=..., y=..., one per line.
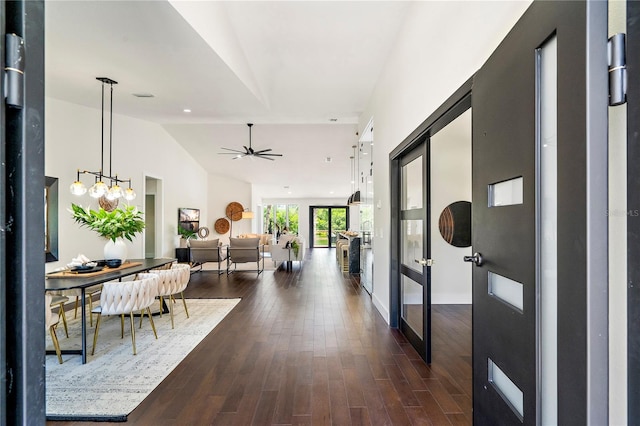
x=476, y=258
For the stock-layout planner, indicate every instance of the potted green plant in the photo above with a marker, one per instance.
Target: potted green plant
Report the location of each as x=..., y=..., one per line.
x=295, y=246
x=115, y=225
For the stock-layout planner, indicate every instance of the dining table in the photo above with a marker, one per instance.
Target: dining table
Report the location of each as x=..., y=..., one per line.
x=67, y=280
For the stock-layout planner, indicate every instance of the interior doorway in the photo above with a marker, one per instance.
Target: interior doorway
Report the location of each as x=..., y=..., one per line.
x=153, y=217
x=326, y=222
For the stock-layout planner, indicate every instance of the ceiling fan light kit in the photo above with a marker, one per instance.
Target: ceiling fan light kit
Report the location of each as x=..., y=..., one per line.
x=249, y=151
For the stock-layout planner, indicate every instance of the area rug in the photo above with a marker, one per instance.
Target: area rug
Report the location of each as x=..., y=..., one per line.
x=114, y=382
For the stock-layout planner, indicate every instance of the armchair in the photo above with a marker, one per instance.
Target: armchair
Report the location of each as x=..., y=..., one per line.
x=245, y=250
x=207, y=251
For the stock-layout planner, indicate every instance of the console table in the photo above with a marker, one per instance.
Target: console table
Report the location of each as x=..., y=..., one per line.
x=183, y=254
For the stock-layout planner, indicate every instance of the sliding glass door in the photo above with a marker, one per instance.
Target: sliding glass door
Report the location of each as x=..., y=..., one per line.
x=326, y=223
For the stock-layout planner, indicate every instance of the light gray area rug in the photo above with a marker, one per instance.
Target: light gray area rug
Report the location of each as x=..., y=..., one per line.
x=114, y=382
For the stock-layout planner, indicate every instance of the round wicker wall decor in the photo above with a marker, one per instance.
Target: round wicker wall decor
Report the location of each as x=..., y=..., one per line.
x=234, y=211
x=221, y=226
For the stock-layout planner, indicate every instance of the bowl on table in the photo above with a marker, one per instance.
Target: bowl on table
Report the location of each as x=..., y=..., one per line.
x=113, y=263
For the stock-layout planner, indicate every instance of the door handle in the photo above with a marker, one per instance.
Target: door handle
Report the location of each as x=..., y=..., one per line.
x=425, y=262
x=476, y=258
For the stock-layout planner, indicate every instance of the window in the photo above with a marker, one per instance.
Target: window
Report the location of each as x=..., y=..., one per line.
x=278, y=216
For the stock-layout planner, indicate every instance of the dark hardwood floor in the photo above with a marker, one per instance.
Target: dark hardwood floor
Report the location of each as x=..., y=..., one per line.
x=309, y=347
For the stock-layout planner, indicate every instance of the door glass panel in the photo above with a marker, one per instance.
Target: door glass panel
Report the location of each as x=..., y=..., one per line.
x=338, y=223
x=505, y=289
x=548, y=232
x=506, y=388
x=412, y=305
x=412, y=244
x=506, y=193
x=321, y=227
x=412, y=185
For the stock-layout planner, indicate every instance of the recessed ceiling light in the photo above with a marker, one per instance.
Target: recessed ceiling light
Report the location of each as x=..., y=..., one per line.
x=289, y=192
x=186, y=110
x=330, y=192
x=143, y=95
x=327, y=159
x=286, y=187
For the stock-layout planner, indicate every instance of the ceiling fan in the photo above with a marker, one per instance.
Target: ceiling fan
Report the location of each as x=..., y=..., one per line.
x=250, y=152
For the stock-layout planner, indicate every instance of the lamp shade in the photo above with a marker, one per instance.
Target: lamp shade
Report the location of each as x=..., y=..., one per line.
x=356, y=197
x=350, y=200
x=247, y=215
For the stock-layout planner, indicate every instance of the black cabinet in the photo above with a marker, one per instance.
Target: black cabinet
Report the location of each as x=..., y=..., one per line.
x=183, y=254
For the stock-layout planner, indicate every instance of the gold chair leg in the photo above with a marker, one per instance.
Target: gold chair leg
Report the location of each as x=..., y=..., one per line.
x=64, y=319
x=56, y=344
x=95, y=334
x=153, y=326
x=161, y=308
x=184, y=302
x=133, y=333
x=122, y=326
x=171, y=309
x=141, y=317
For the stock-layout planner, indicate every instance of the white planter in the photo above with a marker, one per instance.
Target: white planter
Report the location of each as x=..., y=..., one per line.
x=117, y=250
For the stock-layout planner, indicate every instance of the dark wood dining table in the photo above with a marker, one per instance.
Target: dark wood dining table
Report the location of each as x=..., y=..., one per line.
x=56, y=282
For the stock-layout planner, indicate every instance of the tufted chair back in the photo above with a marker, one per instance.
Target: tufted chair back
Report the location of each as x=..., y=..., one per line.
x=128, y=296
x=168, y=281
x=184, y=272
x=172, y=281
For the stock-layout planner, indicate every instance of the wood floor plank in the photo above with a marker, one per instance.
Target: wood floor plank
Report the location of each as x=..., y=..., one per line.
x=309, y=347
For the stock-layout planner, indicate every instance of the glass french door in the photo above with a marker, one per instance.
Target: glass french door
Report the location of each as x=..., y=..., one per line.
x=326, y=224
x=415, y=292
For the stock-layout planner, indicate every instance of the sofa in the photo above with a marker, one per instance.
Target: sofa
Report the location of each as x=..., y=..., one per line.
x=266, y=240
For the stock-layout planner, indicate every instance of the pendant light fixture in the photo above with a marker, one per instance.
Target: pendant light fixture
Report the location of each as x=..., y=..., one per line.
x=355, y=197
x=353, y=177
x=100, y=189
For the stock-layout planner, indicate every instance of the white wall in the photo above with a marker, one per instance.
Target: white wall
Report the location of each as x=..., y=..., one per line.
x=140, y=148
x=222, y=191
x=419, y=77
x=450, y=182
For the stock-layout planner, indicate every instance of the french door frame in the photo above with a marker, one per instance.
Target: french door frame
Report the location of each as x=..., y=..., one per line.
x=452, y=108
x=633, y=221
x=311, y=233
x=22, y=258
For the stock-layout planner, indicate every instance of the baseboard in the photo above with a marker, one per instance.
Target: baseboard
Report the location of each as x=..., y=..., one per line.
x=380, y=307
x=120, y=419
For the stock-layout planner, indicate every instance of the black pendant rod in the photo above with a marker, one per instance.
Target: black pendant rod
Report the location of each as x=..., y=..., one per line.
x=111, y=130
x=102, y=135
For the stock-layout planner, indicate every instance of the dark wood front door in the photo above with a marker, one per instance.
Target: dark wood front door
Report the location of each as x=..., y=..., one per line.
x=539, y=227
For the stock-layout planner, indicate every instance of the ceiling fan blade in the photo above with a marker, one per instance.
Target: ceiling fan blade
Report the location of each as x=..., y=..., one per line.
x=262, y=150
x=263, y=157
x=229, y=149
x=270, y=155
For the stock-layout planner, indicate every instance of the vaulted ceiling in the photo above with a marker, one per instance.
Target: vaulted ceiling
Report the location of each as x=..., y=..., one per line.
x=301, y=71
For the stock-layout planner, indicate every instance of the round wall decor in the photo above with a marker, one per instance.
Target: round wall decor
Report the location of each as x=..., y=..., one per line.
x=455, y=224
x=203, y=232
x=221, y=226
x=234, y=211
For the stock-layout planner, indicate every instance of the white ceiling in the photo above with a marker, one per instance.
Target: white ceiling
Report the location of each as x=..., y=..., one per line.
x=289, y=67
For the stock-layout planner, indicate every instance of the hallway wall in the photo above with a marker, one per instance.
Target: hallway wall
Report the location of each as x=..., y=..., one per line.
x=417, y=79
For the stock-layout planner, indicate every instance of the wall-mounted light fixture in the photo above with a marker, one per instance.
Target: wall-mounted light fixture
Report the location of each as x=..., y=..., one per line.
x=100, y=189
